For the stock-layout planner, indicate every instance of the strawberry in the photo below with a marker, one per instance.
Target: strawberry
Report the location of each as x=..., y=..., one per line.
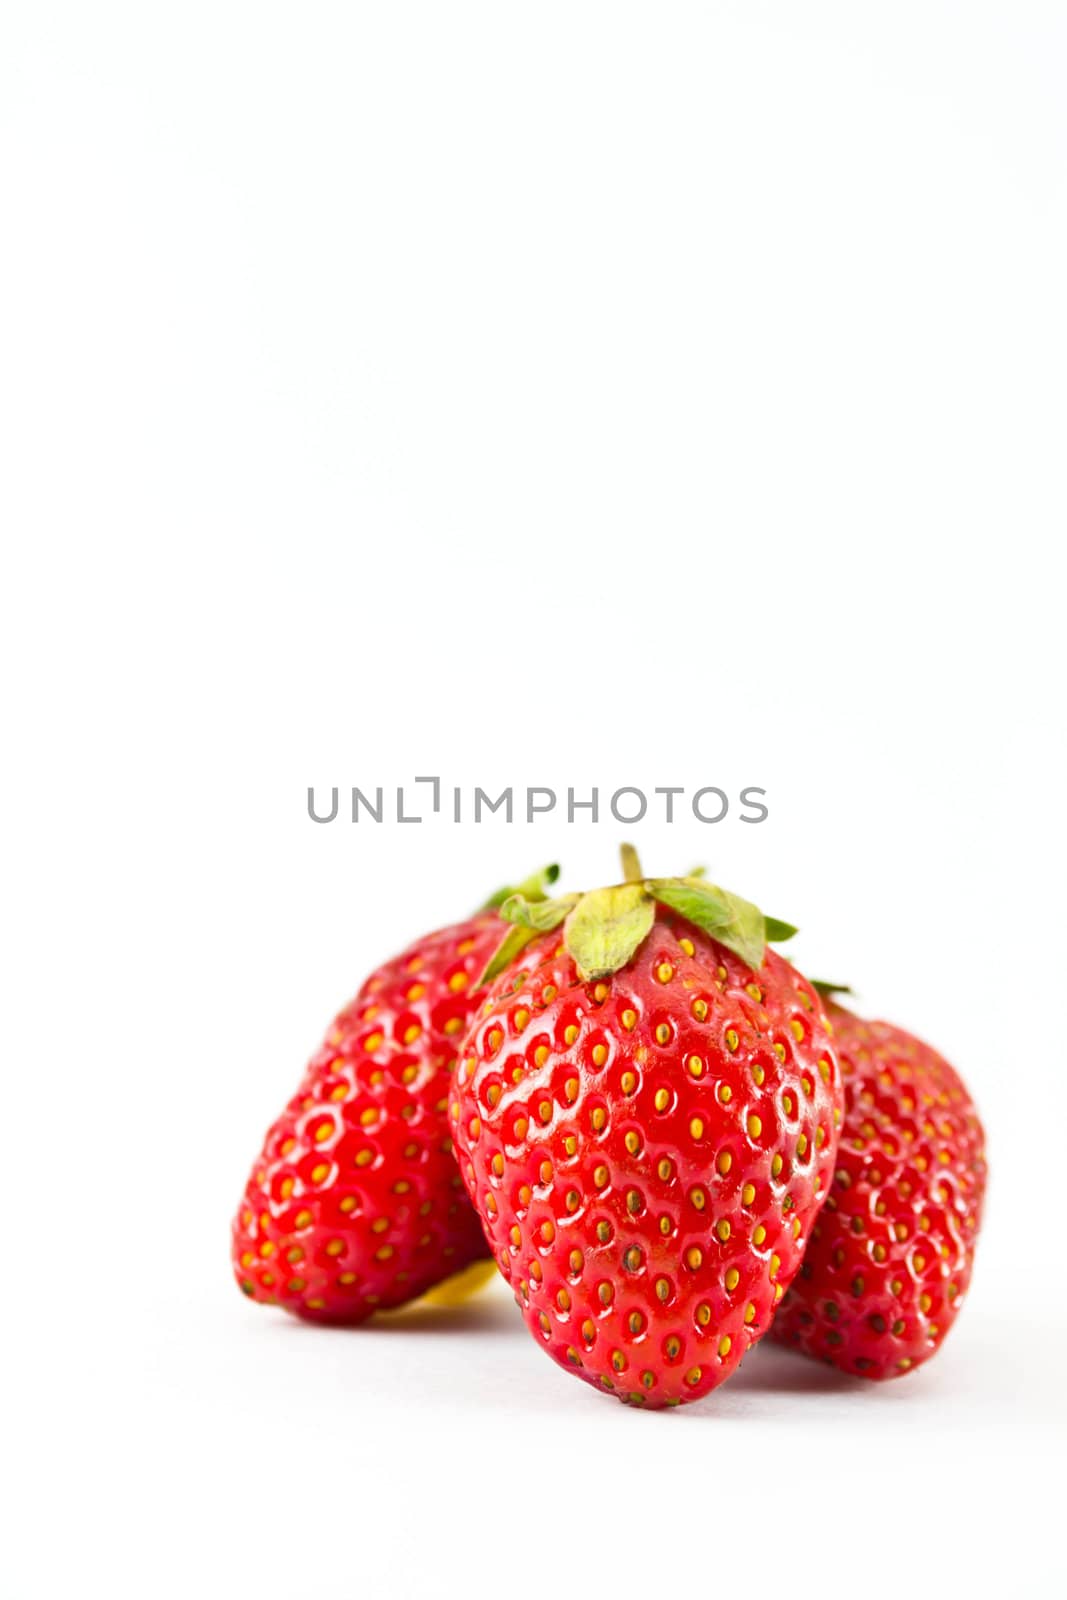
x=355, y=1203
x=644, y=1115
x=890, y=1256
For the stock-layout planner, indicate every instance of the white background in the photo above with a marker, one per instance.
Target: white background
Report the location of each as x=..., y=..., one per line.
x=571, y=394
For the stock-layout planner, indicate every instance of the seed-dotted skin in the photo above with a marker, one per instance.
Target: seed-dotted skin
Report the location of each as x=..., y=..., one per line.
x=890, y=1257
x=355, y=1203
x=647, y=1153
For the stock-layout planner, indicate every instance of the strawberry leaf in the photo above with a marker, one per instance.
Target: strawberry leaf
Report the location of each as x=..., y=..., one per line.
x=540, y=915
x=605, y=928
x=508, y=950
x=777, y=931
x=734, y=922
x=532, y=887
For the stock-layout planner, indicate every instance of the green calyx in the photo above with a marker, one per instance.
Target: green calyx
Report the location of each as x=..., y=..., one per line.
x=604, y=929
x=828, y=990
x=532, y=888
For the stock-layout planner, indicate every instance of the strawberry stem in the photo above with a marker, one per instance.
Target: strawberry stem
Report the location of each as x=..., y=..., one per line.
x=631, y=865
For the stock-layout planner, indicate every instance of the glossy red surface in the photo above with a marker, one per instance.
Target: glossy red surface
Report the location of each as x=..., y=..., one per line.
x=647, y=1153
x=890, y=1257
x=355, y=1203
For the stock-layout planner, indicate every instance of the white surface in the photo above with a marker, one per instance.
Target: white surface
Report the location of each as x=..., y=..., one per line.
x=593, y=394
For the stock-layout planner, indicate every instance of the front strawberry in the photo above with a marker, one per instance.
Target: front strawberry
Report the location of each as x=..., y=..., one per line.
x=891, y=1254
x=645, y=1116
x=355, y=1204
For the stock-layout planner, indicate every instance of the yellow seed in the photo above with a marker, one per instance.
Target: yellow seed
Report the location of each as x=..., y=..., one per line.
x=664, y=972
x=732, y=1039
x=748, y=1194
x=755, y=1126
x=598, y=1118
x=600, y=1054
x=520, y=1019
x=696, y=1127
x=629, y=1020
x=628, y=1083
x=699, y=1198
x=600, y=1176
x=335, y=1247
x=323, y=1132
x=696, y=1066
x=722, y=1228
x=750, y=1312
x=724, y=1161
x=725, y=1093
x=724, y=1345
x=733, y=1278
x=320, y=1171
x=540, y=1055
x=633, y=1142
x=570, y=1034
x=797, y=1027
x=693, y=1257
x=700, y=1010
x=662, y=1099
x=349, y=1201
x=663, y=1033
x=759, y=1233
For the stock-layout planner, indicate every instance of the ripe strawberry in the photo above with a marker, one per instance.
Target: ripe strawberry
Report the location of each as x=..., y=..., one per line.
x=355, y=1203
x=644, y=1115
x=890, y=1256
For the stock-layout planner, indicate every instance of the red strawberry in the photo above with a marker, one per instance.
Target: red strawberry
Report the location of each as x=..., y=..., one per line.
x=890, y=1256
x=644, y=1114
x=355, y=1203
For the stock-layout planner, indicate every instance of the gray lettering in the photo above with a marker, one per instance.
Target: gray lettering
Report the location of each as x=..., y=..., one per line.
x=311, y=807
x=617, y=814
x=574, y=805
x=696, y=805
x=755, y=804
x=670, y=793
x=491, y=805
x=359, y=798
x=532, y=810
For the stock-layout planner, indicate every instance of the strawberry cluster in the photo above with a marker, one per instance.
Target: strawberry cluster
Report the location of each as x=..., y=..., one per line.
x=668, y=1139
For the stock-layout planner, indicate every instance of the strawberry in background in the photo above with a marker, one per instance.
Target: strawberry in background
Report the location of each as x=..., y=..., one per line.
x=355, y=1204
x=890, y=1257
